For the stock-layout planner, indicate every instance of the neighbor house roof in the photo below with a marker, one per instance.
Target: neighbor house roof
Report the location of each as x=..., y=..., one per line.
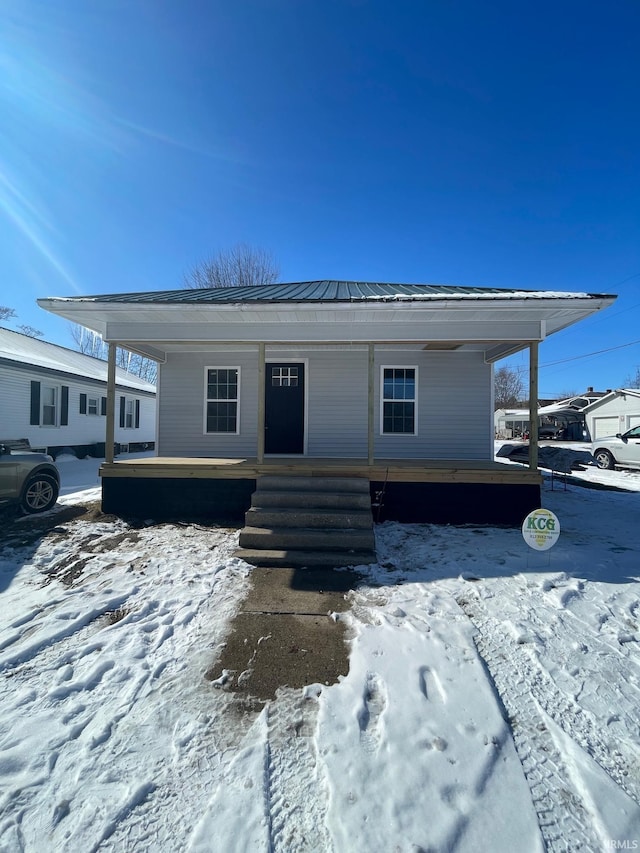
x=25, y=351
x=619, y=392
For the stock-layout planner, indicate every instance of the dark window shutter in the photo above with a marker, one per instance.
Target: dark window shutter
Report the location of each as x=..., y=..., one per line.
x=103, y=406
x=64, y=406
x=122, y=405
x=83, y=404
x=34, y=420
x=137, y=414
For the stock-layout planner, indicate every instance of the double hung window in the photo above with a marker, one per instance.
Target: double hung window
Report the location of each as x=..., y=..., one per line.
x=222, y=400
x=399, y=398
x=49, y=402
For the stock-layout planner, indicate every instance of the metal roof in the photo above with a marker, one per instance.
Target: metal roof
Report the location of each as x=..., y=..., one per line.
x=326, y=291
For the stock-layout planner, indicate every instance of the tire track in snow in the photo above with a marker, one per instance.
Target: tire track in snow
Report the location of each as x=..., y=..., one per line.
x=568, y=714
x=295, y=791
x=564, y=820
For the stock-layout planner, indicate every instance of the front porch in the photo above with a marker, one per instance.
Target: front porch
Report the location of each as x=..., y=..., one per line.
x=409, y=490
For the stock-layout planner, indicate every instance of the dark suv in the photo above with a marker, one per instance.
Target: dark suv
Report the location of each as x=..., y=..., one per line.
x=28, y=479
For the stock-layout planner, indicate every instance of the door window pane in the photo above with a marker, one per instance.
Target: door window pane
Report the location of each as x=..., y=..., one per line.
x=284, y=376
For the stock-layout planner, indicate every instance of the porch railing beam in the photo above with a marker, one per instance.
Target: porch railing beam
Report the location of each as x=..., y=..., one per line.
x=370, y=406
x=261, y=390
x=110, y=428
x=533, y=405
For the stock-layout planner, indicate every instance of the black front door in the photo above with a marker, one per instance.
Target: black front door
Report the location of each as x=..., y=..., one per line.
x=284, y=408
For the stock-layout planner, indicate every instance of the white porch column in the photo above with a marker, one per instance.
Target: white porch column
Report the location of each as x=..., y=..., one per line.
x=370, y=406
x=533, y=405
x=110, y=432
x=261, y=389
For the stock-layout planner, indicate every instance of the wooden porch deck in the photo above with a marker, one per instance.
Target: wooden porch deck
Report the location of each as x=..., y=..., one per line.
x=389, y=470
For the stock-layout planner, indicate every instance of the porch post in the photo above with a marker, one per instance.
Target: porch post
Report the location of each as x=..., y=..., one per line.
x=370, y=407
x=110, y=432
x=533, y=405
x=261, y=387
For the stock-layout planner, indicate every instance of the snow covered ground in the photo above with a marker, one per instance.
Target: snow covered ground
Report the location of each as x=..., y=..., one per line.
x=492, y=701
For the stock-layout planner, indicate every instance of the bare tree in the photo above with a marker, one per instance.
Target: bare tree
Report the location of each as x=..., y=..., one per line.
x=6, y=313
x=508, y=388
x=90, y=343
x=9, y=314
x=240, y=266
x=30, y=332
x=633, y=381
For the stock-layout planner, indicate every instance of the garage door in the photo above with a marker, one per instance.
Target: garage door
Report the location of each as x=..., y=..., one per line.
x=605, y=426
x=634, y=420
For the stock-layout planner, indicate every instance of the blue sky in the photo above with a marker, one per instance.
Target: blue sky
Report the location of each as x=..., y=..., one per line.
x=435, y=141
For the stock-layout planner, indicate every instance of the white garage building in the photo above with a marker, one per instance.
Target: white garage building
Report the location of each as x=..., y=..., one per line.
x=614, y=413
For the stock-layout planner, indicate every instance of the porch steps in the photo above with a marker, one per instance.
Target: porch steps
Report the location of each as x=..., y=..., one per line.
x=298, y=521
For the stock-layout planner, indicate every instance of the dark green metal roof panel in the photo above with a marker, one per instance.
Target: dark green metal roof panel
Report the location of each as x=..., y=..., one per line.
x=322, y=291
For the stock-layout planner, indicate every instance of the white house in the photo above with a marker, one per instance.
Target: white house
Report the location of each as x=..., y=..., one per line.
x=562, y=419
x=328, y=377
x=57, y=399
x=615, y=412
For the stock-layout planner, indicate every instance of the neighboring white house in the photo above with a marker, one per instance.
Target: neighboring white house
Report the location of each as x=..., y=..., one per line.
x=56, y=398
x=333, y=378
x=616, y=412
x=511, y=423
x=564, y=419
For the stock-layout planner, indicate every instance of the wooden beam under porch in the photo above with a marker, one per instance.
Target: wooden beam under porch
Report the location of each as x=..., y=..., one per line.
x=381, y=470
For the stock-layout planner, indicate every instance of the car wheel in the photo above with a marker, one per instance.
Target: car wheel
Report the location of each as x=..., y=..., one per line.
x=40, y=494
x=605, y=460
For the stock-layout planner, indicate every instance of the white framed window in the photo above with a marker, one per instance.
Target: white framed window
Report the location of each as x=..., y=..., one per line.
x=398, y=400
x=129, y=413
x=222, y=400
x=49, y=405
x=92, y=406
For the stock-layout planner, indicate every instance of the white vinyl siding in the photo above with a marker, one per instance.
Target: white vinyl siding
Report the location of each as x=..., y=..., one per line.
x=81, y=429
x=181, y=422
x=337, y=402
x=454, y=414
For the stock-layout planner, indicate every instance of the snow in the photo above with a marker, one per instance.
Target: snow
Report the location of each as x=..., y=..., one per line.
x=23, y=349
x=491, y=701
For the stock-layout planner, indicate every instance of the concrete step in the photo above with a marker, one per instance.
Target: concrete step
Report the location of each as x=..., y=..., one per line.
x=293, y=558
x=303, y=537
x=275, y=482
x=307, y=499
x=320, y=518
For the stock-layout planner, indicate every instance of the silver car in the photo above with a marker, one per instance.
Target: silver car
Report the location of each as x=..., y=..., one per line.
x=28, y=479
x=621, y=450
